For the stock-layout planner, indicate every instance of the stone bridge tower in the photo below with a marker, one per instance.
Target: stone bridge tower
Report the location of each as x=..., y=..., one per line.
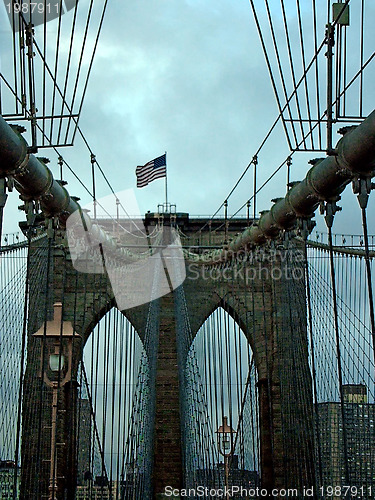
x=259, y=301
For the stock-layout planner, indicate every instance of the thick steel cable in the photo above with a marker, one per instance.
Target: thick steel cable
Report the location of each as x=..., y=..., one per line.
x=71, y=170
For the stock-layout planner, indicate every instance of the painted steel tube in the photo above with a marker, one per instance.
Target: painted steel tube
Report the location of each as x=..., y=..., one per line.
x=328, y=179
x=325, y=181
x=34, y=181
x=32, y=178
x=303, y=200
x=356, y=150
x=283, y=212
x=13, y=147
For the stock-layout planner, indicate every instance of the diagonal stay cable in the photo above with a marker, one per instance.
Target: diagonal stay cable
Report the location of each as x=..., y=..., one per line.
x=56, y=67
x=80, y=64
x=304, y=68
x=271, y=130
x=291, y=62
x=68, y=67
x=90, y=65
x=307, y=69
x=279, y=65
x=268, y=62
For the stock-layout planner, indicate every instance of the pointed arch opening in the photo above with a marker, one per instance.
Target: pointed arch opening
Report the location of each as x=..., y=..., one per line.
x=221, y=412
x=115, y=427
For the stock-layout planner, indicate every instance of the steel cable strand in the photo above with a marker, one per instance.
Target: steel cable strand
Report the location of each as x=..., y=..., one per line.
x=250, y=292
x=68, y=68
x=313, y=364
x=338, y=354
x=270, y=72
x=304, y=70
x=56, y=68
x=307, y=381
x=284, y=372
x=80, y=62
x=324, y=312
x=42, y=390
x=291, y=63
x=347, y=312
x=279, y=65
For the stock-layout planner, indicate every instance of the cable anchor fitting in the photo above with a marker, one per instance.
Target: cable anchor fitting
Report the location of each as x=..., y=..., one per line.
x=329, y=210
x=305, y=226
x=362, y=187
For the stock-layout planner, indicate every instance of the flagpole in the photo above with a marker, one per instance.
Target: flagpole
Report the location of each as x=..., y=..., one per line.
x=166, y=184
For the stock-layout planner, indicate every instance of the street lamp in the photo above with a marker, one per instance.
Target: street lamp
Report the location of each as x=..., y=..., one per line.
x=225, y=443
x=56, y=370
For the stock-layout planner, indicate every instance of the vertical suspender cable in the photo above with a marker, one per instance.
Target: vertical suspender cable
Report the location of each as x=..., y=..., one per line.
x=313, y=366
x=43, y=355
x=369, y=277
x=338, y=352
x=22, y=362
x=255, y=162
x=93, y=161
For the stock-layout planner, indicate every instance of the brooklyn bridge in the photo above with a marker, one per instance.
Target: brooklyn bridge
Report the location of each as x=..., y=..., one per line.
x=155, y=354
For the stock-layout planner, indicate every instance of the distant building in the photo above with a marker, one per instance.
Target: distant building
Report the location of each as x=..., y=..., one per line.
x=7, y=469
x=359, y=418
x=215, y=477
x=98, y=490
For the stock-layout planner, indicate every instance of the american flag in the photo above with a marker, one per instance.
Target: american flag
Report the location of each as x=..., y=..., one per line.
x=154, y=169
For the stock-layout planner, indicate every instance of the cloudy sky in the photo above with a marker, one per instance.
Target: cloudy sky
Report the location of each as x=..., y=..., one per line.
x=187, y=77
